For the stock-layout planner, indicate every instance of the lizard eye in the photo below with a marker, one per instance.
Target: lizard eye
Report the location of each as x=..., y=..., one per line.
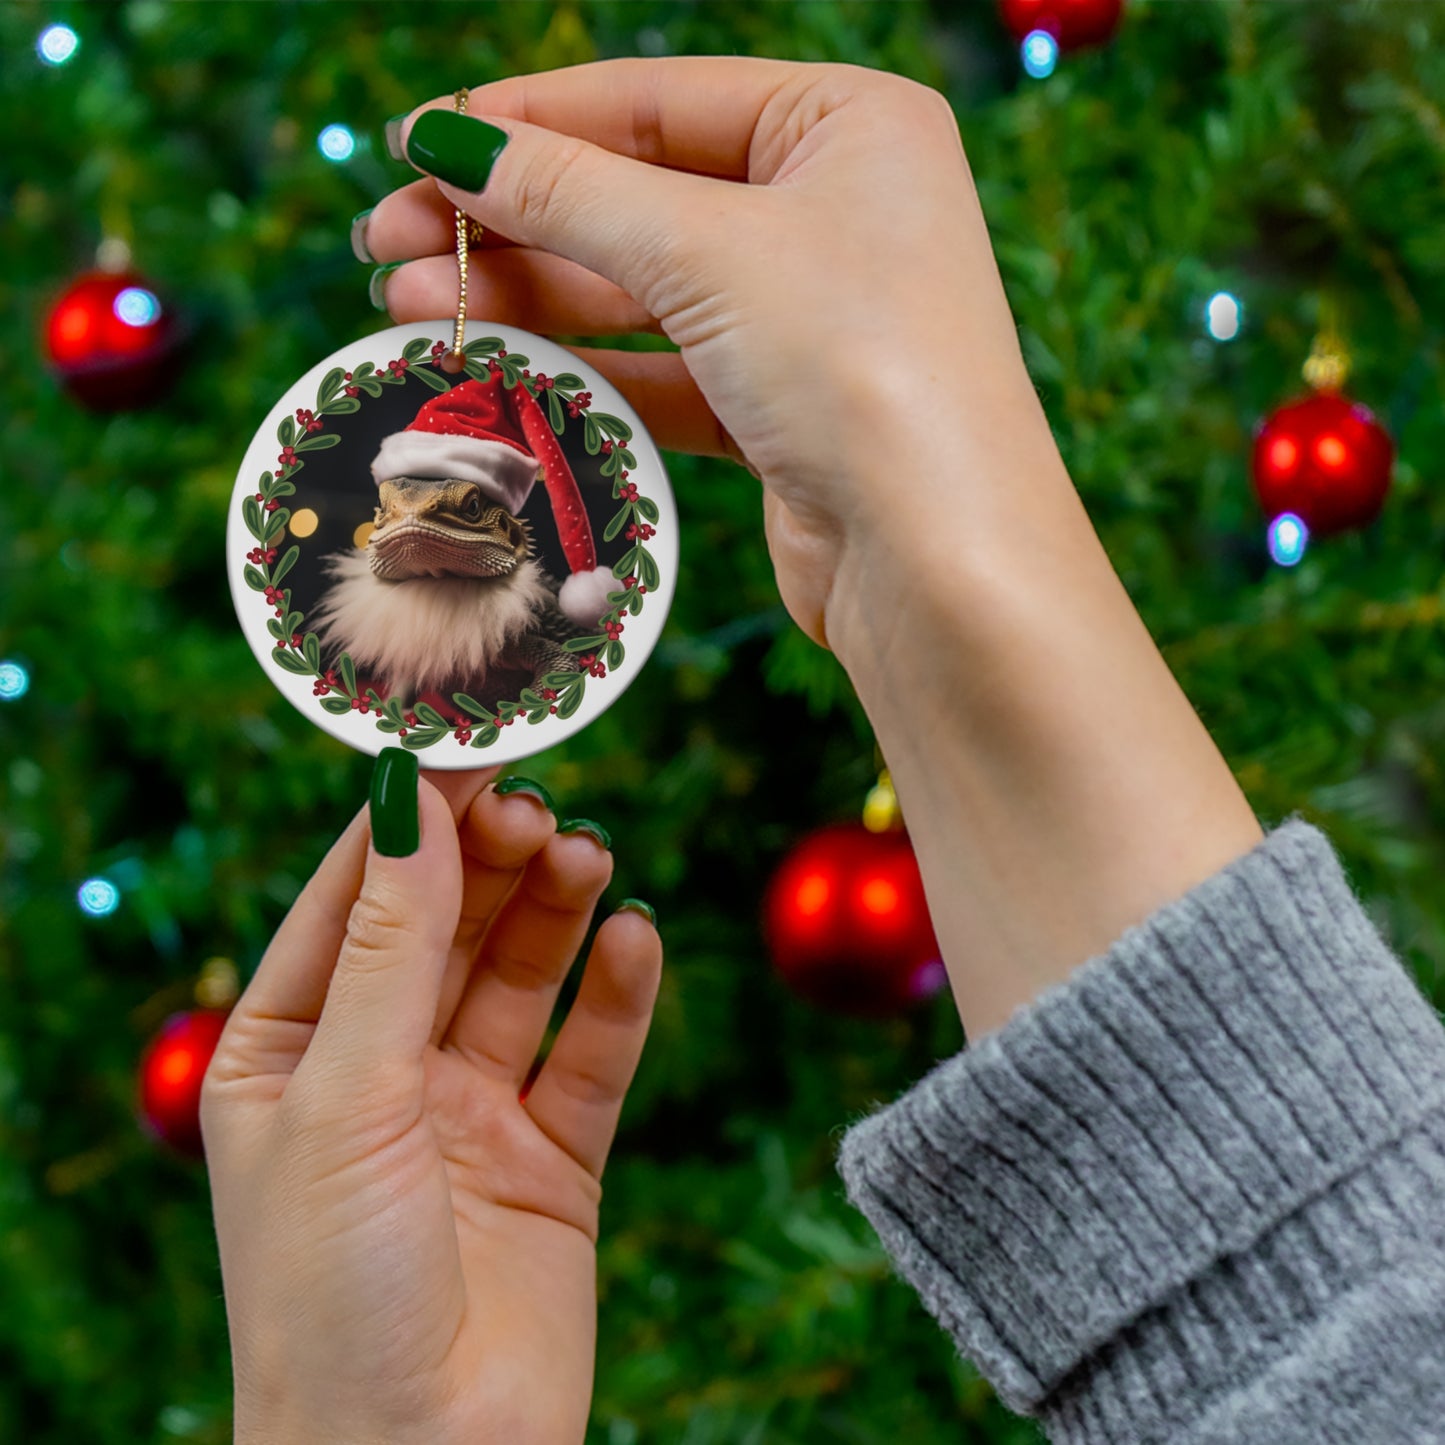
x=472, y=507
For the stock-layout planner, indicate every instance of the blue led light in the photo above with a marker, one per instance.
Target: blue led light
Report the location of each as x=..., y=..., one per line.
x=1223, y=316
x=1288, y=538
x=137, y=307
x=57, y=44
x=14, y=681
x=98, y=897
x=1040, y=52
x=336, y=143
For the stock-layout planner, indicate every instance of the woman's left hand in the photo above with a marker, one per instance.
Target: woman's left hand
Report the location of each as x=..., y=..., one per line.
x=407, y=1236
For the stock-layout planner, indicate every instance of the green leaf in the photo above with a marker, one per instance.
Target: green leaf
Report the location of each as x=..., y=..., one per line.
x=483, y=346
x=569, y=380
x=583, y=644
x=287, y=562
x=517, y=359
x=614, y=426
x=363, y=371
x=285, y=658
x=292, y=620
x=647, y=573
x=532, y=699
x=275, y=526
x=430, y=716
x=470, y=705
x=618, y=523
x=393, y=709
x=390, y=724
x=615, y=654
x=341, y=406
x=273, y=626
x=287, y=431
x=311, y=648
x=415, y=347
x=635, y=606
x=648, y=508
x=347, y=669
x=611, y=464
x=626, y=564
x=337, y=705
x=330, y=385
x=255, y=580
x=538, y=714
x=437, y=380
x=477, y=370
x=319, y=442
x=279, y=489
x=628, y=460
x=569, y=704
x=371, y=386
x=418, y=738
x=486, y=735
x=555, y=414
x=506, y=710
x=559, y=681
x=591, y=437
x=251, y=515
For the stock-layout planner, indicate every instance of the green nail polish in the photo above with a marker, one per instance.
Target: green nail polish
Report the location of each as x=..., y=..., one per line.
x=586, y=825
x=359, y=247
x=455, y=148
x=636, y=905
x=376, y=288
x=392, y=132
x=512, y=785
x=395, y=820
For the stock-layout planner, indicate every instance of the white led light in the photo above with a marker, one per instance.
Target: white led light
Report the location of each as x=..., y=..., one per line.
x=57, y=44
x=14, y=681
x=136, y=306
x=336, y=143
x=1223, y=316
x=1040, y=52
x=1288, y=538
x=98, y=897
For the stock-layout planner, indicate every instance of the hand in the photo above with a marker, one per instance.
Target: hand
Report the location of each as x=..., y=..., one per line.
x=835, y=312
x=408, y=1247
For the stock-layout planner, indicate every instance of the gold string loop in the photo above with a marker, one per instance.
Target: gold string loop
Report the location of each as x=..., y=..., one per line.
x=469, y=233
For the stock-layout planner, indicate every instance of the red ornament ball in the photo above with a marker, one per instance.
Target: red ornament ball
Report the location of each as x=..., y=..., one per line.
x=1073, y=23
x=171, y=1071
x=1324, y=458
x=847, y=923
x=111, y=340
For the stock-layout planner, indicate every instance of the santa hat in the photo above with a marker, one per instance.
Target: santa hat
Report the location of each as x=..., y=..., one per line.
x=481, y=432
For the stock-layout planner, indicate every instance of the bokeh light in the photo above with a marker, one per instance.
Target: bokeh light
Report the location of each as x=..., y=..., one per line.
x=14, y=681
x=137, y=307
x=1040, y=52
x=1223, y=316
x=336, y=143
x=98, y=897
x=57, y=44
x=1288, y=538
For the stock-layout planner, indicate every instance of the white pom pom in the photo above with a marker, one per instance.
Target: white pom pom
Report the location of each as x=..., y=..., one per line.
x=583, y=597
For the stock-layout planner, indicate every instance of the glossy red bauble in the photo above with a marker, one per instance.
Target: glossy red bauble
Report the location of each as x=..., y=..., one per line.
x=847, y=923
x=1073, y=23
x=1324, y=458
x=171, y=1071
x=111, y=340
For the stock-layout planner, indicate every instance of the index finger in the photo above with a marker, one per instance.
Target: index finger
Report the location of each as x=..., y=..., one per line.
x=699, y=113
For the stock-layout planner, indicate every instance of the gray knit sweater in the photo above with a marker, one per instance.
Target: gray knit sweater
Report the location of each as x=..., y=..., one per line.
x=1197, y=1191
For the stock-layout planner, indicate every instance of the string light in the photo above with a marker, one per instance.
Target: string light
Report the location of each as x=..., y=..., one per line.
x=1288, y=538
x=1223, y=316
x=57, y=44
x=336, y=143
x=1040, y=53
x=136, y=306
x=98, y=897
x=14, y=681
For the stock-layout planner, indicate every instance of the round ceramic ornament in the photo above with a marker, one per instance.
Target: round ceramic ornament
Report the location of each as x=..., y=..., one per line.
x=473, y=564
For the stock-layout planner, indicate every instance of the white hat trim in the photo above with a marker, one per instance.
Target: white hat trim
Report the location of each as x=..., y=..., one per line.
x=583, y=597
x=503, y=473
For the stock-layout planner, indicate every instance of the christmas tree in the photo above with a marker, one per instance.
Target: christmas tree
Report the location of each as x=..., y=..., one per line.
x=1212, y=156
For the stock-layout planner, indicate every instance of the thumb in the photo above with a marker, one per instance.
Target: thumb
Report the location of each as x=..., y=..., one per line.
x=628, y=221
x=382, y=1000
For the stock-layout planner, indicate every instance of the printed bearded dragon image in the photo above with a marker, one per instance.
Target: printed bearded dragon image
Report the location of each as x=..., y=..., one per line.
x=448, y=594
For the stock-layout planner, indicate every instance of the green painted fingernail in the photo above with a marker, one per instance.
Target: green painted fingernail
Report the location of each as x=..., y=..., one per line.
x=395, y=812
x=359, y=248
x=455, y=148
x=636, y=905
x=376, y=289
x=393, y=136
x=525, y=785
x=586, y=825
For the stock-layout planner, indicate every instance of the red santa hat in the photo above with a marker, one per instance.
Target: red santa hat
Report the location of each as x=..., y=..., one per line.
x=481, y=432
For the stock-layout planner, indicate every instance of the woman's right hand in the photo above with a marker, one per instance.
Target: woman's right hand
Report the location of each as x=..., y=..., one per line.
x=808, y=235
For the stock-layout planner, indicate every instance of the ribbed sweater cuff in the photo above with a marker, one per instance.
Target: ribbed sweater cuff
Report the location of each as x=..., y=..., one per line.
x=1129, y=1160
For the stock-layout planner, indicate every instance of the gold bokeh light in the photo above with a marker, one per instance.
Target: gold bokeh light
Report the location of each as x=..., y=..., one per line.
x=362, y=535
x=303, y=523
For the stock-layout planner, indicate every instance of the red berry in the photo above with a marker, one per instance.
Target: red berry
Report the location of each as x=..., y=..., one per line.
x=348, y=376
x=259, y=497
x=501, y=351
x=553, y=708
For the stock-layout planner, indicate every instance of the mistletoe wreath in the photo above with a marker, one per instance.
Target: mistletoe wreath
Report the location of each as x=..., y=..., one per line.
x=422, y=726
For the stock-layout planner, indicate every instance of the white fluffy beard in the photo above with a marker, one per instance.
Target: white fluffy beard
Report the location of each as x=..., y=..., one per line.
x=427, y=632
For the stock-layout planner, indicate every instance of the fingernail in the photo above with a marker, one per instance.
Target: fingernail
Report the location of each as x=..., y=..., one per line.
x=586, y=825
x=455, y=148
x=376, y=288
x=393, y=137
x=359, y=248
x=395, y=820
x=509, y=786
x=636, y=905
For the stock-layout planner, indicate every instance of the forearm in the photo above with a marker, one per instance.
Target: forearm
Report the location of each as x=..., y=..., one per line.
x=1057, y=784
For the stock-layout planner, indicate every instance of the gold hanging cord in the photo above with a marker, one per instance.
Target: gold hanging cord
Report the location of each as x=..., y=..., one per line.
x=469, y=233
